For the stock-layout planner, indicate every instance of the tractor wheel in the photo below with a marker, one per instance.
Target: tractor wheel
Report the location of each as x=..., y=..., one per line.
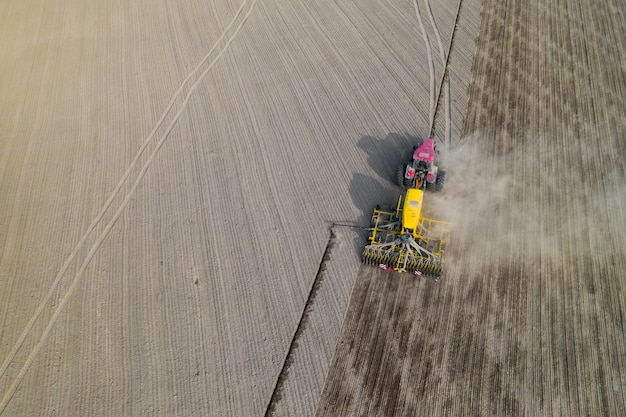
x=400, y=180
x=440, y=181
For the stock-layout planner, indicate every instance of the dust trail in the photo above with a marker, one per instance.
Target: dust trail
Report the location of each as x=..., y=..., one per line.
x=530, y=205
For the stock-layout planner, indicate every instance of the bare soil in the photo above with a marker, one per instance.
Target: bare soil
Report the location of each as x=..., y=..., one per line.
x=169, y=173
x=529, y=318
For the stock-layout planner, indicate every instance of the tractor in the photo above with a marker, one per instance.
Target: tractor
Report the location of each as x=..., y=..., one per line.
x=423, y=171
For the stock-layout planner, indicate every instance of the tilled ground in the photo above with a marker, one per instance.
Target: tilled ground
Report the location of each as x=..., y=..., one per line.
x=169, y=173
x=529, y=318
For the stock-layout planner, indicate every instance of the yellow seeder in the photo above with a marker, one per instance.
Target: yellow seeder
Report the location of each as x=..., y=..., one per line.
x=402, y=240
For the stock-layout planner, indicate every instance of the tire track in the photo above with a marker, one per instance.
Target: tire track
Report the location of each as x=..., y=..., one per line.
x=237, y=22
x=443, y=85
x=442, y=57
x=431, y=67
x=445, y=81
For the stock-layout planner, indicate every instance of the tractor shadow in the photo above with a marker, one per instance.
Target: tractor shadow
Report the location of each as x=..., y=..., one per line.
x=368, y=191
x=385, y=155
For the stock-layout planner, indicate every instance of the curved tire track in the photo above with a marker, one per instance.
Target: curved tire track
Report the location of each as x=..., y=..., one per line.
x=431, y=67
x=239, y=20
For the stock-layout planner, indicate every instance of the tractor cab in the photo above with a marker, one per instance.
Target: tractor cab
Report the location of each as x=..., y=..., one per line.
x=423, y=170
x=426, y=152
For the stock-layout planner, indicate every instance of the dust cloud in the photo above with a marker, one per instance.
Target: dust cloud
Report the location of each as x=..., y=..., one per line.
x=531, y=204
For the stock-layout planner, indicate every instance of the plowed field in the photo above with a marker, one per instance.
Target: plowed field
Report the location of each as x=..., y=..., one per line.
x=170, y=174
x=529, y=319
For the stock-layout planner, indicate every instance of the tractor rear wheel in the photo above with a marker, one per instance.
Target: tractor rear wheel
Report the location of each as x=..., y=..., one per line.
x=440, y=181
x=400, y=176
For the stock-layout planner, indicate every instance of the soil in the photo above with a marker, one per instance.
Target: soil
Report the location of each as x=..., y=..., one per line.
x=529, y=317
x=170, y=174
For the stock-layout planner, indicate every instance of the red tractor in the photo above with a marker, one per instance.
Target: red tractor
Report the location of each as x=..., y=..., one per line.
x=423, y=171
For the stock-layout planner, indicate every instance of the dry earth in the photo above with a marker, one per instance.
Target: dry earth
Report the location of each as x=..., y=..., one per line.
x=530, y=316
x=169, y=174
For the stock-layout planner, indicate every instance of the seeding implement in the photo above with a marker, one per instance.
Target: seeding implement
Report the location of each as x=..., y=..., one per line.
x=402, y=240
